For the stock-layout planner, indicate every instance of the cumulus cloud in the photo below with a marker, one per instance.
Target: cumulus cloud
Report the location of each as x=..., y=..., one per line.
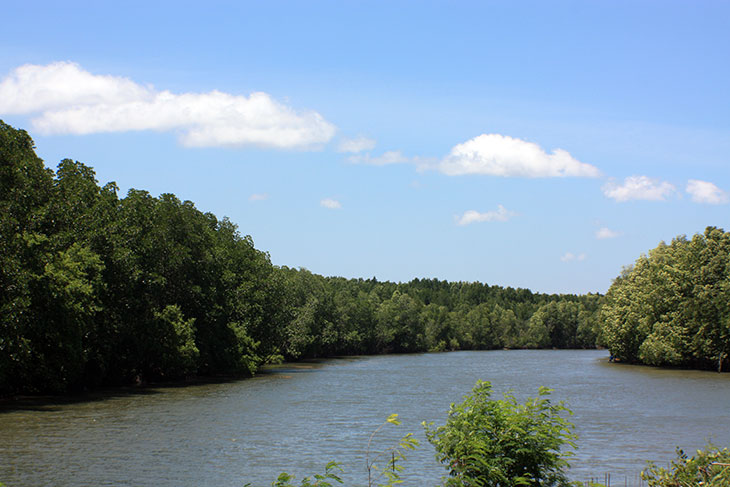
x=706, y=192
x=330, y=203
x=63, y=98
x=501, y=214
x=604, y=233
x=32, y=88
x=258, y=197
x=638, y=188
x=355, y=145
x=571, y=257
x=501, y=155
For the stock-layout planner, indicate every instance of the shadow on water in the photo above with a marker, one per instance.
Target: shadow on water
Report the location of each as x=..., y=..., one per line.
x=663, y=371
x=305, y=366
x=50, y=403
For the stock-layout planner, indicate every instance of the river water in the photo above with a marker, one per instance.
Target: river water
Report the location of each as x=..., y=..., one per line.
x=297, y=417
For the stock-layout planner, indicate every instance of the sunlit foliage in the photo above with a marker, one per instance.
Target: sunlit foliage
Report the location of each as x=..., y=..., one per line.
x=672, y=307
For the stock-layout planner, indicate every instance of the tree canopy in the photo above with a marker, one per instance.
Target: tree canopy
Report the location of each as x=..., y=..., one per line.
x=672, y=307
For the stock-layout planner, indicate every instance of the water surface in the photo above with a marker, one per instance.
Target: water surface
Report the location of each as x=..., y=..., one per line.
x=297, y=417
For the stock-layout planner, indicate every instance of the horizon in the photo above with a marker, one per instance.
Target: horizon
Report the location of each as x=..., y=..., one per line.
x=532, y=146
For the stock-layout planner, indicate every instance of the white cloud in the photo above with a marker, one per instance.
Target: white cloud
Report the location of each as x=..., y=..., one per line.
x=571, y=257
x=330, y=203
x=501, y=155
x=604, y=233
x=66, y=99
x=258, y=197
x=355, y=145
x=501, y=214
x=31, y=88
x=706, y=192
x=638, y=188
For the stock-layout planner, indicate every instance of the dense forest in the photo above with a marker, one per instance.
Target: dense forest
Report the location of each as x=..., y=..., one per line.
x=97, y=289
x=672, y=307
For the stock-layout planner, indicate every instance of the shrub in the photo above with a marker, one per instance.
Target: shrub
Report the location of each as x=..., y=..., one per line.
x=500, y=443
x=709, y=468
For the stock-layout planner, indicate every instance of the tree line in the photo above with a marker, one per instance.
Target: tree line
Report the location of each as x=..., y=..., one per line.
x=98, y=289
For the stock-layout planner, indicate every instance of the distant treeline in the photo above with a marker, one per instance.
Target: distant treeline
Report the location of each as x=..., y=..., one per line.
x=672, y=307
x=101, y=290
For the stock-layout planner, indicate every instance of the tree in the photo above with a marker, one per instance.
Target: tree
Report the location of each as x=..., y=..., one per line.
x=399, y=324
x=501, y=443
x=559, y=324
x=671, y=307
x=25, y=188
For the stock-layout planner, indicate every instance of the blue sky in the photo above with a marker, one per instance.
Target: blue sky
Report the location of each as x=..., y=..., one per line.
x=529, y=144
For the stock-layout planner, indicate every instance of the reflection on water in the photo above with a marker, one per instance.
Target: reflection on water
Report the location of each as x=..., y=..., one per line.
x=297, y=417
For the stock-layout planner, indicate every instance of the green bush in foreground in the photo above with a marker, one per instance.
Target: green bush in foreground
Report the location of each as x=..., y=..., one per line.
x=708, y=468
x=499, y=443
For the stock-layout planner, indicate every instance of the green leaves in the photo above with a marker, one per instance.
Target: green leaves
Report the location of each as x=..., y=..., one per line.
x=390, y=472
x=317, y=480
x=176, y=341
x=709, y=468
x=671, y=307
x=100, y=290
x=393, y=419
x=499, y=443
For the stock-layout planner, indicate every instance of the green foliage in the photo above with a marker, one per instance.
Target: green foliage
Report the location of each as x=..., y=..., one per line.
x=709, y=468
x=394, y=455
x=244, y=350
x=100, y=290
x=331, y=316
x=672, y=306
x=560, y=324
x=179, y=354
x=97, y=289
x=501, y=443
x=399, y=326
x=317, y=480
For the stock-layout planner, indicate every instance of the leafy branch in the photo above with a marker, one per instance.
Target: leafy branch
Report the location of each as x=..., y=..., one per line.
x=392, y=469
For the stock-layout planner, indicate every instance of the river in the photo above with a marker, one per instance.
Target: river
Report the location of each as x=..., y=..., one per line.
x=297, y=417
